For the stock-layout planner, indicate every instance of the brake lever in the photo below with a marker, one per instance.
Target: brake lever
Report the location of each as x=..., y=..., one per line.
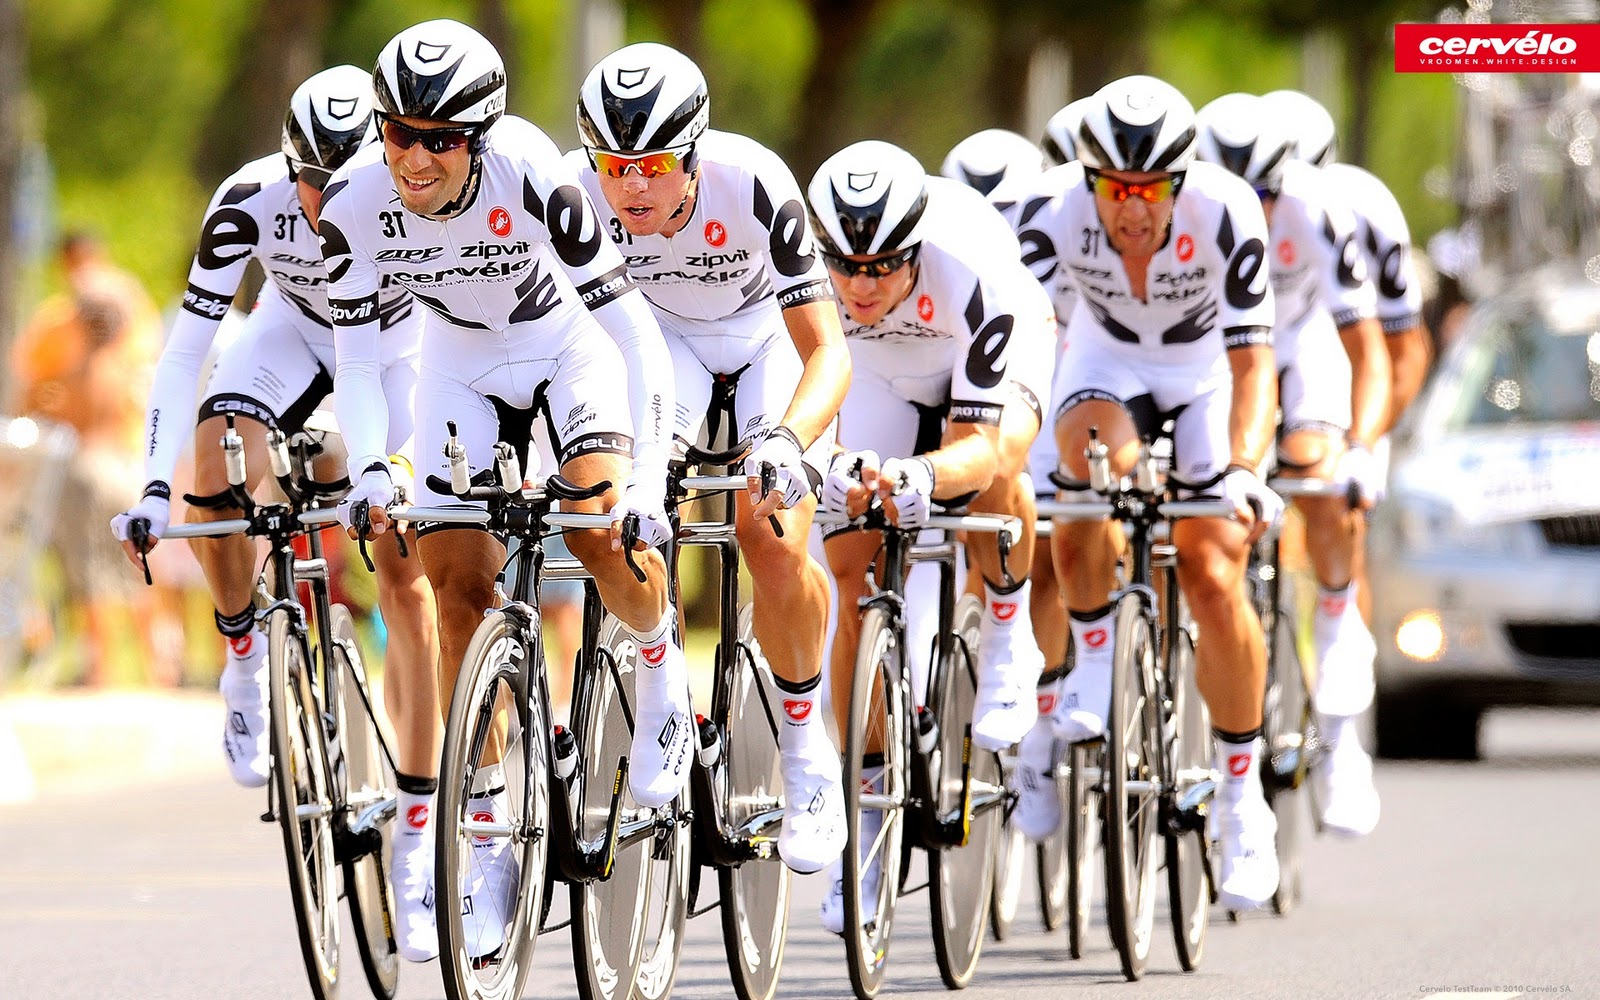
x=361, y=520
x=139, y=535
x=769, y=479
x=630, y=534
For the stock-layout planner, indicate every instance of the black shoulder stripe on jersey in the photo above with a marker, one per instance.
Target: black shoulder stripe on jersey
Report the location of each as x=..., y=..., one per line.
x=305, y=307
x=801, y=295
x=1031, y=207
x=206, y=305
x=974, y=310
x=1225, y=240
x=226, y=228
x=240, y=192
x=761, y=204
x=353, y=312
x=598, y=291
x=1196, y=323
x=444, y=312
x=335, y=249
x=331, y=190
x=531, y=200
x=1236, y=337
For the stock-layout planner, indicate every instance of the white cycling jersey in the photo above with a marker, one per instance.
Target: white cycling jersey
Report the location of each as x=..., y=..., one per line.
x=514, y=284
x=1386, y=240
x=1315, y=262
x=720, y=284
x=1060, y=284
x=254, y=213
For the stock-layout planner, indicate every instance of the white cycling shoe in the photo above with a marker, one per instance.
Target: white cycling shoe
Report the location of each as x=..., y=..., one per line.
x=491, y=884
x=243, y=685
x=1038, y=811
x=416, y=929
x=814, y=831
x=663, y=731
x=832, y=908
x=1006, y=706
x=1247, y=841
x=1084, y=701
x=1345, y=793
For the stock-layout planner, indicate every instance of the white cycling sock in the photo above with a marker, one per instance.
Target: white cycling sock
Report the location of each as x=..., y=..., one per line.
x=800, y=712
x=1237, y=762
x=656, y=668
x=1091, y=637
x=1333, y=606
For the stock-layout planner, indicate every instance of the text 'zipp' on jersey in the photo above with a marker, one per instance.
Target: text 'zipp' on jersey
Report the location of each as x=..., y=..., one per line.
x=1207, y=288
x=745, y=245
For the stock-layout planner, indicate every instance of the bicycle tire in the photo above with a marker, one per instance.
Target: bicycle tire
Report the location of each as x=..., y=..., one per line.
x=301, y=779
x=878, y=715
x=1051, y=868
x=1083, y=833
x=1289, y=739
x=1189, y=897
x=368, y=779
x=755, y=895
x=961, y=879
x=627, y=928
x=1010, y=872
x=491, y=692
x=1133, y=754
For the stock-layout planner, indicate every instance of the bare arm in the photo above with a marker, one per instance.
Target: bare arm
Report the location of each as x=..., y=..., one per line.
x=967, y=459
x=819, y=339
x=1409, y=356
x=1255, y=402
x=1369, y=380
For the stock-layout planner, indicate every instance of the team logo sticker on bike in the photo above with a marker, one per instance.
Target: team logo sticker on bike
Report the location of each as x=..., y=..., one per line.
x=417, y=817
x=500, y=222
x=654, y=655
x=797, y=709
x=1239, y=764
x=1095, y=638
x=482, y=816
x=925, y=309
x=716, y=233
x=1185, y=247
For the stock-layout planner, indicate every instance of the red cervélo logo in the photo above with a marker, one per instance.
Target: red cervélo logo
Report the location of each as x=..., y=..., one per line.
x=1496, y=48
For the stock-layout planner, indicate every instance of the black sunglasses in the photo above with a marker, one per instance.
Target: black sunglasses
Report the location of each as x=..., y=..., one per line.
x=877, y=267
x=434, y=140
x=316, y=178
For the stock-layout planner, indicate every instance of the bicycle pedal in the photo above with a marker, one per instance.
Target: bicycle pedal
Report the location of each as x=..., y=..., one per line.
x=270, y=816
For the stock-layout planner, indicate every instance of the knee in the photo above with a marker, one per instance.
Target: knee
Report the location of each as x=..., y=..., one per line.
x=775, y=563
x=1211, y=581
x=590, y=546
x=1305, y=451
x=849, y=564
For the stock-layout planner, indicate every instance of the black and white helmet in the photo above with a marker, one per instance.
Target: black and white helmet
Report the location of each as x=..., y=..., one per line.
x=442, y=70
x=643, y=97
x=983, y=159
x=1137, y=124
x=1061, y=131
x=1309, y=122
x=868, y=199
x=329, y=118
x=1238, y=133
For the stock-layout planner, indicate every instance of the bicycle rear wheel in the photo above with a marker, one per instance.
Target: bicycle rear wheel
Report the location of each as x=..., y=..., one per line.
x=369, y=781
x=1010, y=872
x=1083, y=834
x=960, y=878
x=305, y=800
x=1134, y=775
x=1289, y=736
x=755, y=894
x=1053, y=873
x=486, y=939
x=878, y=716
x=627, y=928
x=1188, y=895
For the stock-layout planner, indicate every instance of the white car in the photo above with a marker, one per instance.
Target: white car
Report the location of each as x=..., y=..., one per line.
x=1485, y=556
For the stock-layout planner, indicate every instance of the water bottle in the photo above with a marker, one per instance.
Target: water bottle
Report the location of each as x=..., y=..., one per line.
x=564, y=747
x=927, y=730
x=710, y=741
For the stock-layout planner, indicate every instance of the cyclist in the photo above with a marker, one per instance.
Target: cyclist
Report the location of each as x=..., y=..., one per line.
x=713, y=230
x=1333, y=377
x=986, y=159
x=1060, y=142
x=949, y=336
x=1174, y=322
x=273, y=375
x=529, y=309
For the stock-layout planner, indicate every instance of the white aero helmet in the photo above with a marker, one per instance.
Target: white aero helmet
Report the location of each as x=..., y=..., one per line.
x=1309, y=122
x=1236, y=132
x=441, y=70
x=868, y=199
x=329, y=118
x=983, y=159
x=643, y=97
x=1061, y=131
x=1138, y=124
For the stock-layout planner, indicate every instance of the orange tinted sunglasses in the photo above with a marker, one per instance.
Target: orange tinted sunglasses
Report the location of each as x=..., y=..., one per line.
x=1120, y=191
x=648, y=164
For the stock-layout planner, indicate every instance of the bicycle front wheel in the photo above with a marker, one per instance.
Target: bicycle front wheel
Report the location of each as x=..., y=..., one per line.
x=755, y=894
x=1053, y=869
x=627, y=928
x=303, y=784
x=1010, y=871
x=1291, y=743
x=369, y=781
x=1188, y=896
x=1134, y=778
x=961, y=878
x=1084, y=803
x=493, y=822
x=875, y=801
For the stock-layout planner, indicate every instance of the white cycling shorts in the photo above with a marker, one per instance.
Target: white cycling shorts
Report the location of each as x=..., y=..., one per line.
x=1314, y=378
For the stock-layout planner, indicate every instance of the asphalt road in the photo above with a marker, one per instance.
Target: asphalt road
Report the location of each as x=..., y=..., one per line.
x=1482, y=877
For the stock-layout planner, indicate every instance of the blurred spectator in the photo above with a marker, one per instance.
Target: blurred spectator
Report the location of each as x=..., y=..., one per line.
x=1454, y=256
x=85, y=360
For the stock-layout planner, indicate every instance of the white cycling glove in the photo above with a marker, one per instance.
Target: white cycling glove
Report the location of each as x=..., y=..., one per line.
x=1240, y=486
x=153, y=508
x=843, y=476
x=913, y=489
x=781, y=450
x=646, y=496
x=374, y=486
x=1358, y=465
